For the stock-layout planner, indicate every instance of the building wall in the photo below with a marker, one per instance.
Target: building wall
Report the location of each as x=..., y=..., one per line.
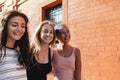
x=95, y=28
x=33, y=9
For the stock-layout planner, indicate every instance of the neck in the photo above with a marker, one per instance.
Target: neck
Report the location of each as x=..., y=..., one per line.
x=10, y=44
x=44, y=47
x=66, y=45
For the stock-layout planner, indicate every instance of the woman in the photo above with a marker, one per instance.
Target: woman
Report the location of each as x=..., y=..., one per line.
x=66, y=59
x=40, y=61
x=14, y=47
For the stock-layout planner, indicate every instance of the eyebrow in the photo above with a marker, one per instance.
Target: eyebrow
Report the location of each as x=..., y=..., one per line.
x=14, y=22
x=50, y=30
x=17, y=23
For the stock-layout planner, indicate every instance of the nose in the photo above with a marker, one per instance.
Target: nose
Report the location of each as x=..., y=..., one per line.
x=48, y=34
x=19, y=27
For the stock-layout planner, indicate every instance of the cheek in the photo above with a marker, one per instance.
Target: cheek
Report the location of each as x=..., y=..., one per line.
x=9, y=33
x=41, y=35
x=69, y=35
x=52, y=35
x=10, y=29
x=23, y=30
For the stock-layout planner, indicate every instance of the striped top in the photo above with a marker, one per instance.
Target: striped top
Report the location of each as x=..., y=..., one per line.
x=10, y=68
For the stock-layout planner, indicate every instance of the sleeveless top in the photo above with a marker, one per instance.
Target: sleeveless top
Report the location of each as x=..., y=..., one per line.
x=64, y=67
x=10, y=69
x=39, y=71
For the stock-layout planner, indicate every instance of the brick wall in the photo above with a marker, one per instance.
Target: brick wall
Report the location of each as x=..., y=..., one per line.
x=95, y=29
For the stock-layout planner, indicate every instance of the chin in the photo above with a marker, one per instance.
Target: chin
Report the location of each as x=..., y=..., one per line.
x=66, y=41
x=47, y=42
x=17, y=38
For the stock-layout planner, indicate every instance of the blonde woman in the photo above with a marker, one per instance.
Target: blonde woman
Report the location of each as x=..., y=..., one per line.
x=41, y=54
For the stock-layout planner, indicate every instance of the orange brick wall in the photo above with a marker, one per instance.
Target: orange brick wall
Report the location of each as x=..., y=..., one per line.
x=95, y=30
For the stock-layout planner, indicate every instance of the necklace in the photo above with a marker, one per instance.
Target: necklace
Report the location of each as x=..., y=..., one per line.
x=41, y=58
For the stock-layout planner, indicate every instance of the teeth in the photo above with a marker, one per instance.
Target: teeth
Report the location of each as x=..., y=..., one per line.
x=47, y=38
x=17, y=33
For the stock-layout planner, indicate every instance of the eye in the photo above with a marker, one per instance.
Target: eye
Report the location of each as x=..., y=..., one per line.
x=51, y=32
x=63, y=32
x=14, y=25
x=23, y=26
x=45, y=31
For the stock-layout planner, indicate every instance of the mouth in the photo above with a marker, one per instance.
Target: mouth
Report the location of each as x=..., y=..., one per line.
x=18, y=34
x=66, y=38
x=48, y=38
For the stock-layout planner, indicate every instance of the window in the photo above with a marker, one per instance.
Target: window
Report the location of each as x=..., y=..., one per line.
x=55, y=14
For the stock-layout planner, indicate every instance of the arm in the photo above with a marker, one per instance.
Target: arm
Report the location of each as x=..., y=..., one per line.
x=53, y=52
x=77, y=65
x=50, y=76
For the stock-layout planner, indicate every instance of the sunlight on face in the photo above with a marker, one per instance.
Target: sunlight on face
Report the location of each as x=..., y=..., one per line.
x=47, y=33
x=16, y=28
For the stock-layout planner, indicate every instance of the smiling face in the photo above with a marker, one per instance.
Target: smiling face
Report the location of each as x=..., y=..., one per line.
x=64, y=34
x=15, y=28
x=47, y=33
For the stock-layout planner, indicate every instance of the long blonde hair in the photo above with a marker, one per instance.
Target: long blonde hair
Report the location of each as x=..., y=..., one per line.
x=35, y=44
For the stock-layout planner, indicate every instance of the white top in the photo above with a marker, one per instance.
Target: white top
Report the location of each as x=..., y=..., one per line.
x=10, y=68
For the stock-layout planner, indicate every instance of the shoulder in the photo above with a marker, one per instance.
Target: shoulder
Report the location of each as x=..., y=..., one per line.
x=77, y=51
x=78, y=54
x=53, y=51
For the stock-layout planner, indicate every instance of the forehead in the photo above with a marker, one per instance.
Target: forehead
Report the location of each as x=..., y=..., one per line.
x=17, y=19
x=47, y=26
x=63, y=29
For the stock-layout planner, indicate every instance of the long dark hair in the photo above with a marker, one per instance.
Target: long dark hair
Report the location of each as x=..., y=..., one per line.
x=23, y=43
